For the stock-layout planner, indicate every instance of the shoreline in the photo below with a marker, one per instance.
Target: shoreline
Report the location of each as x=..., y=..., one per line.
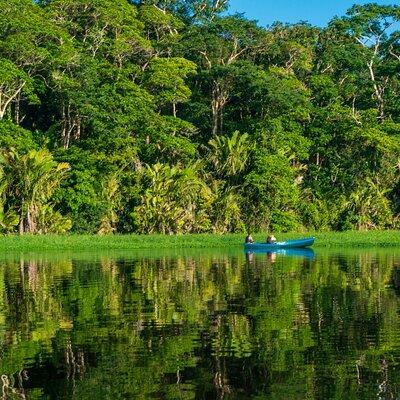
x=348, y=239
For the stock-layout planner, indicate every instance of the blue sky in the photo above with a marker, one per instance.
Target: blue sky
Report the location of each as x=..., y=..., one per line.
x=316, y=12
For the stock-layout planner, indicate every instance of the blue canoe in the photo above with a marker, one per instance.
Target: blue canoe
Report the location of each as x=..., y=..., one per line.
x=288, y=244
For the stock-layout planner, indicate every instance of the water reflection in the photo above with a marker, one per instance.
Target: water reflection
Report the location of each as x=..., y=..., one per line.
x=271, y=255
x=200, y=326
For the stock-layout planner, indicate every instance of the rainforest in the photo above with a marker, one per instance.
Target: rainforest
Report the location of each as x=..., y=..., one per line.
x=174, y=117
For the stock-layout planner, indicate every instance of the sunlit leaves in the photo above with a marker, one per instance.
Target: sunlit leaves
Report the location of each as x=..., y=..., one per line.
x=175, y=201
x=229, y=155
x=31, y=181
x=166, y=78
x=14, y=82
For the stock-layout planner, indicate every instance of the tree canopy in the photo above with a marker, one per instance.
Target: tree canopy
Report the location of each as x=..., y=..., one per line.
x=174, y=116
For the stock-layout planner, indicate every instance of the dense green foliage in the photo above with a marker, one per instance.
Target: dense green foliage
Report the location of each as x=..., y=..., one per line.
x=170, y=116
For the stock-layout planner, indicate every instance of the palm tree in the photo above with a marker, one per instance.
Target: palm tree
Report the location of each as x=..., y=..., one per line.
x=8, y=218
x=32, y=179
x=226, y=211
x=175, y=200
x=112, y=195
x=368, y=206
x=229, y=155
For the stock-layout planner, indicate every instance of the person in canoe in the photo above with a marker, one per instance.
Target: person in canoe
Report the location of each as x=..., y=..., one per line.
x=271, y=239
x=248, y=239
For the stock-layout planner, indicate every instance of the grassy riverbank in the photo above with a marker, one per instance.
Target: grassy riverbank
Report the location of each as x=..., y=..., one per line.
x=132, y=242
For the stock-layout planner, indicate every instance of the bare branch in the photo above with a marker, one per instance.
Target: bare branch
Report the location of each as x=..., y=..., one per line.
x=3, y=107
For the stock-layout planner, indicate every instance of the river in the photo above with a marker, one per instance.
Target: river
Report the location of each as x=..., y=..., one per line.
x=217, y=324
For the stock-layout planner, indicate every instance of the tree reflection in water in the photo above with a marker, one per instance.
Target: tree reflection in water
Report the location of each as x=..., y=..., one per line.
x=200, y=326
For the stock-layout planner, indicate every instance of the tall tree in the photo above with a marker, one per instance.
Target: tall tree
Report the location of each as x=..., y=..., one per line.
x=216, y=46
x=370, y=26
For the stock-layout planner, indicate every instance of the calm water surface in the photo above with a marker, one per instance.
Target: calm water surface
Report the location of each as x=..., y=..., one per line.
x=200, y=325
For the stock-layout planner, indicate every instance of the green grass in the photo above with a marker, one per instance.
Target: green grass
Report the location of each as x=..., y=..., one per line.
x=350, y=239
x=11, y=243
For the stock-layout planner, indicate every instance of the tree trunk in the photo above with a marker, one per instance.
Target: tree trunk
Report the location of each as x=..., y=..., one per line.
x=5, y=100
x=379, y=92
x=17, y=109
x=21, y=219
x=31, y=219
x=219, y=99
x=71, y=126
